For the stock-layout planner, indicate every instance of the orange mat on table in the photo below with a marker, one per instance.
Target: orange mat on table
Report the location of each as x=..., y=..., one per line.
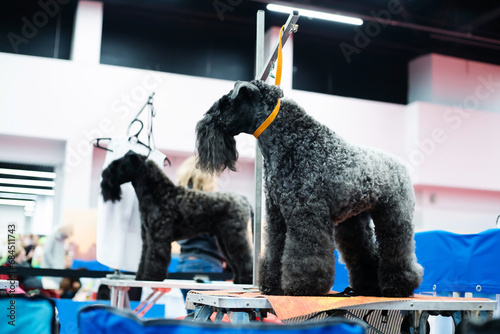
x=292, y=308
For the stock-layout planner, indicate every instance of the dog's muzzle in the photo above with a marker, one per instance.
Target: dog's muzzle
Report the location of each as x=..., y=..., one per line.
x=216, y=150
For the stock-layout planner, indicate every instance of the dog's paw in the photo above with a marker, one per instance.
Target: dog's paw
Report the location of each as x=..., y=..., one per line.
x=271, y=291
x=366, y=287
x=396, y=291
x=247, y=279
x=306, y=291
x=146, y=277
x=400, y=279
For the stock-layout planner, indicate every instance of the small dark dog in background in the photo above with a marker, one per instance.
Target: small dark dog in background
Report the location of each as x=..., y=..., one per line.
x=170, y=213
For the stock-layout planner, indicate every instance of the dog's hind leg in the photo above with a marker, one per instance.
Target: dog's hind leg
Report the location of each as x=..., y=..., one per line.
x=399, y=272
x=308, y=259
x=355, y=240
x=270, y=263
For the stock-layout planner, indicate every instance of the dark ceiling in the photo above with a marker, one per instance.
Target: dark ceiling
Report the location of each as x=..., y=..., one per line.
x=375, y=67
x=461, y=28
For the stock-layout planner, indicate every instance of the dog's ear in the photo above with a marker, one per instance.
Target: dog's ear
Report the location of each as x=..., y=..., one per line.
x=271, y=92
x=243, y=88
x=133, y=160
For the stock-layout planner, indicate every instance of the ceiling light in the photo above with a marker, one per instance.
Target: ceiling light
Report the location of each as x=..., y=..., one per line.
x=316, y=14
x=17, y=202
x=27, y=191
x=33, y=183
x=31, y=173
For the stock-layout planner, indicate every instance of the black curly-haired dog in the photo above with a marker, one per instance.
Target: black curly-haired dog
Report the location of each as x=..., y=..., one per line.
x=320, y=190
x=170, y=213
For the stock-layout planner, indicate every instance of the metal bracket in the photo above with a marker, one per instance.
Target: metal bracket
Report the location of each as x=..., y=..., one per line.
x=290, y=27
x=147, y=303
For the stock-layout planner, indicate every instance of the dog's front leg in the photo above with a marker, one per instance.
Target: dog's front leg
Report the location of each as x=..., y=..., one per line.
x=308, y=260
x=158, y=254
x=270, y=263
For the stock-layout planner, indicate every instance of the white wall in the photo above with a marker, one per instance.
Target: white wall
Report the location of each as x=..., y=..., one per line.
x=74, y=103
x=11, y=215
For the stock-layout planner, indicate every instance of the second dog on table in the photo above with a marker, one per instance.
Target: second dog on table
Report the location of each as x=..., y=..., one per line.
x=170, y=213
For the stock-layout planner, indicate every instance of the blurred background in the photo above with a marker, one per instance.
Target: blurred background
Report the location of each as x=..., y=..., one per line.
x=419, y=79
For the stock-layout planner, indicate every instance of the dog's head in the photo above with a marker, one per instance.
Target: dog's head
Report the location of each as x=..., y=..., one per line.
x=119, y=172
x=243, y=109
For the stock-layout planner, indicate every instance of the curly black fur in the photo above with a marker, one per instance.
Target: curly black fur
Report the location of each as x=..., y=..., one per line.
x=320, y=190
x=170, y=213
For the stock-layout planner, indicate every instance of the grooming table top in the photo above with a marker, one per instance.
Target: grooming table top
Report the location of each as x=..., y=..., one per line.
x=174, y=283
x=289, y=308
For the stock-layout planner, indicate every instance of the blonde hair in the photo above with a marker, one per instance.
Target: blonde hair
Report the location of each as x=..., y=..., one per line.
x=193, y=178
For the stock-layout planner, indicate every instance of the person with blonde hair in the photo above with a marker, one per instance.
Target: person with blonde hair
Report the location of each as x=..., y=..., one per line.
x=193, y=178
x=200, y=253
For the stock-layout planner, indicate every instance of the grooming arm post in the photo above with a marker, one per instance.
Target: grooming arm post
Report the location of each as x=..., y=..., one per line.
x=289, y=28
x=257, y=230
x=262, y=72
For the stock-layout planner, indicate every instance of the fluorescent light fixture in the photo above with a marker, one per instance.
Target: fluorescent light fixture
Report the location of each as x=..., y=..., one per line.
x=31, y=173
x=17, y=202
x=23, y=197
x=33, y=183
x=316, y=14
x=28, y=191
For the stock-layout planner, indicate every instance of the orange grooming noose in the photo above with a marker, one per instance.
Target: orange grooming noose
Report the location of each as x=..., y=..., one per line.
x=277, y=82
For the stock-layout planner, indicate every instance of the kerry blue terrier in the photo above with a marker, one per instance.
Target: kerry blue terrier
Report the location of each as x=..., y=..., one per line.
x=320, y=191
x=170, y=213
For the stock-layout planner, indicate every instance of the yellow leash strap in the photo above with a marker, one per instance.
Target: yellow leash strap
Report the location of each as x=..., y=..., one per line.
x=277, y=82
x=268, y=121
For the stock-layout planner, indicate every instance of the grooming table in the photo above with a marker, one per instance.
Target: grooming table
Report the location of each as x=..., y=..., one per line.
x=121, y=284
x=241, y=307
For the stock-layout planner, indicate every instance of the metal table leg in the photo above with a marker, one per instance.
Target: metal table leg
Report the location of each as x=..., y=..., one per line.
x=203, y=313
x=239, y=317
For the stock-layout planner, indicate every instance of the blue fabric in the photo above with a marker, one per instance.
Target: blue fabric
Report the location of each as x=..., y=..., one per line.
x=105, y=320
x=203, y=243
x=452, y=262
x=97, y=266
x=459, y=262
x=198, y=264
x=68, y=312
x=341, y=275
x=89, y=265
x=27, y=315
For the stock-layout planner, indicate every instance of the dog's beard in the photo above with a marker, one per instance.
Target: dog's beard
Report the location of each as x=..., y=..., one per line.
x=110, y=188
x=216, y=150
